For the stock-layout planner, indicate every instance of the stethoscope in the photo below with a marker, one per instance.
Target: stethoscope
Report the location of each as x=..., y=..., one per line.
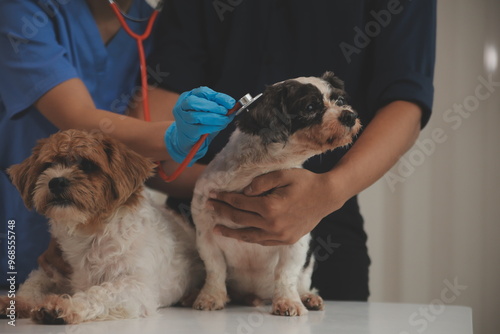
x=140, y=47
x=241, y=105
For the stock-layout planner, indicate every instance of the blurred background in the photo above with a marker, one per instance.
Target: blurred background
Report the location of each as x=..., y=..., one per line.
x=434, y=220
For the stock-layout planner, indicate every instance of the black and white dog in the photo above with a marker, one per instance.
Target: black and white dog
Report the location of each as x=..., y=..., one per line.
x=293, y=121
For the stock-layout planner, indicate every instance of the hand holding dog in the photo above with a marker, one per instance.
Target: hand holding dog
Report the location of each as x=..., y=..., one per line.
x=278, y=208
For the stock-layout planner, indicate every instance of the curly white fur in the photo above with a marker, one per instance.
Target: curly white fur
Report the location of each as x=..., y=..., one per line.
x=142, y=260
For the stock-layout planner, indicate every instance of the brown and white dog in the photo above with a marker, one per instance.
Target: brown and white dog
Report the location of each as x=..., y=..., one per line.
x=128, y=256
x=293, y=121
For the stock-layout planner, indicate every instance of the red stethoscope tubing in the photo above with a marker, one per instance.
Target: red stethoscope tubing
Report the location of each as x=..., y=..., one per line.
x=144, y=82
x=142, y=57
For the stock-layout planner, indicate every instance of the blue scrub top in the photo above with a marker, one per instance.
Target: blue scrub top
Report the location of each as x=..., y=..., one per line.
x=44, y=43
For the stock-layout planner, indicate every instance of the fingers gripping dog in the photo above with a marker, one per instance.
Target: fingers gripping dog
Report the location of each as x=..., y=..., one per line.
x=128, y=256
x=293, y=121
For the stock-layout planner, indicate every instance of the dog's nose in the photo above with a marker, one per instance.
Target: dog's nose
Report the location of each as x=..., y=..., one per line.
x=348, y=117
x=58, y=184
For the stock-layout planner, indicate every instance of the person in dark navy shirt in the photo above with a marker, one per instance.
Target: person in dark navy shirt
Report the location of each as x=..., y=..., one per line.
x=384, y=50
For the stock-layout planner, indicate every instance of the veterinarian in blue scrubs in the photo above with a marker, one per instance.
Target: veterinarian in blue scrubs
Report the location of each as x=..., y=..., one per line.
x=68, y=64
x=385, y=52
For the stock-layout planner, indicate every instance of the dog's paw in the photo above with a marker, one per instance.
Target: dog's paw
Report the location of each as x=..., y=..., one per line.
x=312, y=301
x=55, y=310
x=17, y=307
x=43, y=315
x=288, y=307
x=210, y=302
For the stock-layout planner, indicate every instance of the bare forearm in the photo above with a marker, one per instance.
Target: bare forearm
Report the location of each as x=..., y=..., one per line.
x=144, y=138
x=69, y=106
x=161, y=104
x=393, y=131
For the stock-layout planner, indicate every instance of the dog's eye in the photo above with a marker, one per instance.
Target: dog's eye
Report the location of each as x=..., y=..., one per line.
x=311, y=107
x=340, y=101
x=88, y=166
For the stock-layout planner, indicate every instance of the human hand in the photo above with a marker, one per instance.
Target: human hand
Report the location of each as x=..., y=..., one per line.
x=52, y=262
x=277, y=208
x=197, y=112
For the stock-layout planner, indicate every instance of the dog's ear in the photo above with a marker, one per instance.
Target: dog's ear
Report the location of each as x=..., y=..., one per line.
x=128, y=168
x=25, y=174
x=268, y=117
x=333, y=80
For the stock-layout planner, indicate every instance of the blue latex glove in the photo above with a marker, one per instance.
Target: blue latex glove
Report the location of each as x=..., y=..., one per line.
x=197, y=112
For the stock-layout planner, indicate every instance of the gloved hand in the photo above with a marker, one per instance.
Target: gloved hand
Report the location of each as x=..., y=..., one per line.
x=197, y=112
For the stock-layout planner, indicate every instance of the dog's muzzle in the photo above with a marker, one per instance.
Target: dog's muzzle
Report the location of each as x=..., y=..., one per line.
x=58, y=185
x=348, y=117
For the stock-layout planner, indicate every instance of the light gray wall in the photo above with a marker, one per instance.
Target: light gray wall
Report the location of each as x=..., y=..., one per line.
x=434, y=220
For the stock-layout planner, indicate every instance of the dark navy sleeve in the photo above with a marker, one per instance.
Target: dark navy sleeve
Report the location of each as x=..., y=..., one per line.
x=404, y=55
x=179, y=46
